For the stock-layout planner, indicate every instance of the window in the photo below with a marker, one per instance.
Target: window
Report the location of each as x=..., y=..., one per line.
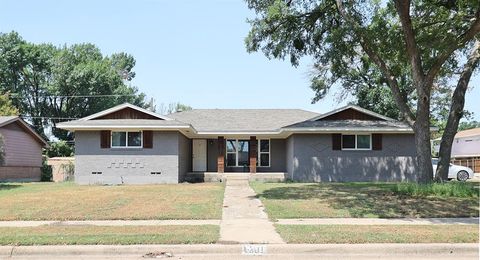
x=357, y=142
x=237, y=153
x=125, y=139
x=263, y=159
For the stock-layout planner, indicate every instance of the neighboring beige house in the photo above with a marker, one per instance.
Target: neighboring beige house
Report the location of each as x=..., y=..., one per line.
x=21, y=150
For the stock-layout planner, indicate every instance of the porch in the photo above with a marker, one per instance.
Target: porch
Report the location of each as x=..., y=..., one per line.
x=221, y=177
x=244, y=155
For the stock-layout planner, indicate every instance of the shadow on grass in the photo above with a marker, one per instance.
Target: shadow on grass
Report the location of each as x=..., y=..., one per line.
x=374, y=200
x=4, y=186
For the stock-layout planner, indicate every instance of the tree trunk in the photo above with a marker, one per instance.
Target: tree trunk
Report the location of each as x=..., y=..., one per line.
x=456, y=109
x=421, y=128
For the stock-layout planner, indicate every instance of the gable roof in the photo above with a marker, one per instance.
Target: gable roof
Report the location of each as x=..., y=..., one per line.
x=120, y=107
x=356, y=108
x=6, y=120
x=241, y=120
x=468, y=133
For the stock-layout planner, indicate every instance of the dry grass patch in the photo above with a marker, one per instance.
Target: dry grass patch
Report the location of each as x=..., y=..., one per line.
x=317, y=234
x=107, y=235
x=357, y=200
x=68, y=201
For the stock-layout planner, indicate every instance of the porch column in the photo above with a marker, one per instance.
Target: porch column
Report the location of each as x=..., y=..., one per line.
x=221, y=155
x=253, y=154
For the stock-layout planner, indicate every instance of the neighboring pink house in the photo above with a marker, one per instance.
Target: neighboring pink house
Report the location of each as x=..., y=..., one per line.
x=466, y=149
x=22, y=150
x=466, y=144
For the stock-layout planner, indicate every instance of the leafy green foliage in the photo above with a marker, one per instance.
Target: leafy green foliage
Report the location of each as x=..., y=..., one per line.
x=6, y=106
x=468, y=125
x=296, y=29
x=64, y=82
x=59, y=149
x=449, y=189
x=2, y=150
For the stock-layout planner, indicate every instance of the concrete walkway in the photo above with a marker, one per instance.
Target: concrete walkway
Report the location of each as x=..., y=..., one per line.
x=110, y=223
x=244, y=219
x=379, y=221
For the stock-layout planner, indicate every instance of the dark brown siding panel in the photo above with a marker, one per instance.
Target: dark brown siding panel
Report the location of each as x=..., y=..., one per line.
x=350, y=114
x=127, y=113
x=336, y=142
x=377, y=141
x=105, y=139
x=147, y=139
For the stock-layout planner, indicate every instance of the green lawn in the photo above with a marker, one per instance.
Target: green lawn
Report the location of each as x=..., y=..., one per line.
x=68, y=201
x=357, y=200
x=313, y=234
x=103, y=235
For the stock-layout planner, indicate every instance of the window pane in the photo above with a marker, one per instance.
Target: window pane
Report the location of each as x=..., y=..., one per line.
x=231, y=145
x=243, y=153
x=231, y=159
x=363, y=141
x=348, y=141
x=264, y=146
x=118, y=139
x=134, y=139
x=264, y=159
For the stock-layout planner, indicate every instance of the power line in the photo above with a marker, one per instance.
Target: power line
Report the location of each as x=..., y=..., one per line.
x=17, y=95
x=50, y=117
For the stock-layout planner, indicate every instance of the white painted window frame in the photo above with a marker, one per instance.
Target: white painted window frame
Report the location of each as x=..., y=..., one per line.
x=259, y=152
x=126, y=139
x=356, y=143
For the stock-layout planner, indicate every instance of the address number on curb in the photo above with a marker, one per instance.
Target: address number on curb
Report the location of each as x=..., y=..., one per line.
x=254, y=249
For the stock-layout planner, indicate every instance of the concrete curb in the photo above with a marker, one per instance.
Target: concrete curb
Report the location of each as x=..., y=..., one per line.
x=443, y=249
x=379, y=221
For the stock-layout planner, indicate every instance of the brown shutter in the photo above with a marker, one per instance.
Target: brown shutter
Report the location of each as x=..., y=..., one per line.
x=105, y=139
x=336, y=142
x=147, y=139
x=376, y=141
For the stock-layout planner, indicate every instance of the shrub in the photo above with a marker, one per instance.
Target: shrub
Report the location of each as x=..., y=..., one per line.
x=59, y=149
x=2, y=151
x=448, y=189
x=46, y=171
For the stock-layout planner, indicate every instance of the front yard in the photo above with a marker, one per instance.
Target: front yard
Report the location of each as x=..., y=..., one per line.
x=107, y=235
x=323, y=234
x=68, y=201
x=358, y=200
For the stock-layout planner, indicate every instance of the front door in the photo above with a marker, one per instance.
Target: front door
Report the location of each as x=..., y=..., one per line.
x=199, y=155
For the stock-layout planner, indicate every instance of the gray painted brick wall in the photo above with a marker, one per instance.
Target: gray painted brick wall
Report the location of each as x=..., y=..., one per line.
x=132, y=166
x=311, y=158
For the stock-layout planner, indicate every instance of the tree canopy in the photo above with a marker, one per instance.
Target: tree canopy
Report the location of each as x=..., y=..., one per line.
x=49, y=84
x=6, y=106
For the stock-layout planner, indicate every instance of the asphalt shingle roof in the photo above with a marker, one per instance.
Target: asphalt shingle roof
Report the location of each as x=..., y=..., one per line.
x=335, y=124
x=120, y=122
x=231, y=120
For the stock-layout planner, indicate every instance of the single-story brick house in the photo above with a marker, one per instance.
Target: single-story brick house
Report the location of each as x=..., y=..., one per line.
x=128, y=144
x=21, y=150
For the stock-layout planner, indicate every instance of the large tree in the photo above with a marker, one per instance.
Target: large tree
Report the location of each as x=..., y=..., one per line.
x=6, y=106
x=413, y=45
x=49, y=84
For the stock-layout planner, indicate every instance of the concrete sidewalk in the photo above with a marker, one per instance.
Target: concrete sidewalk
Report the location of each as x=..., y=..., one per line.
x=273, y=251
x=379, y=221
x=173, y=222
x=244, y=219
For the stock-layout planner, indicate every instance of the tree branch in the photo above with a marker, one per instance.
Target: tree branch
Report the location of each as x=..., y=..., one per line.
x=400, y=100
x=461, y=40
x=403, y=10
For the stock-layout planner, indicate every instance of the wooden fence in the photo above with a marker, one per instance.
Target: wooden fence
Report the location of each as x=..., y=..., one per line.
x=473, y=163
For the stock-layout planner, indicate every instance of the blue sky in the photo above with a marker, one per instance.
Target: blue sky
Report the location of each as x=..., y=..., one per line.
x=187, y=51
